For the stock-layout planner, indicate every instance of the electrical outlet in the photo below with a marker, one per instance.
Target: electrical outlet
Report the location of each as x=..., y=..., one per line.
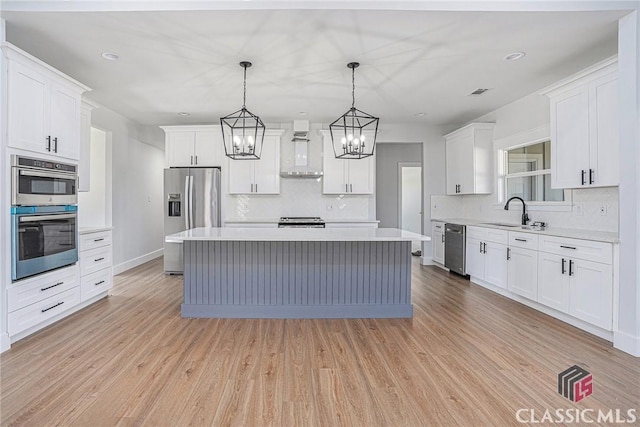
x=603, y=210
x=329, y=207
x=577, y=209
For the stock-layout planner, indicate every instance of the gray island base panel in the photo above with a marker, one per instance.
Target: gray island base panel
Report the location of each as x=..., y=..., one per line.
x=297, y=279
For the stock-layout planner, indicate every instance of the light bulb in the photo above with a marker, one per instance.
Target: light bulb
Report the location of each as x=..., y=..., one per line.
x=250, y=140
x=344, y=141
x=350, y=137
x=362, y=138
x=236, y=141
x=356, y=142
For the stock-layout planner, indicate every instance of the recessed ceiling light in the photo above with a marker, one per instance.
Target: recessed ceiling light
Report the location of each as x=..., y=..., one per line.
x=420, y=114
x=110, y=56
x=514, y=56
x=182, y=113
x=302, y=113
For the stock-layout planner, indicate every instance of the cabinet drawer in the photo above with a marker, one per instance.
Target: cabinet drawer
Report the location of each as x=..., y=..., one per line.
x=437, y=227
x=95, y=240
x=523, y=240
x=33, y=314
x=95, y=283
x=576, y=248
x=22, y=294
x=94, y=260
x=488, y=234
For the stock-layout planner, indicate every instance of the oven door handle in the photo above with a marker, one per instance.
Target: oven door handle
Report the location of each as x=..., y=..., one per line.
x=25, y=172
x=34, y=218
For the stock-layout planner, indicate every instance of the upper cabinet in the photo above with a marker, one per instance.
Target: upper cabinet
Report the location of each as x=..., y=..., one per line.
x=345, y=176
x=43, y=106
x=84, y=166
x=193, y=146
x=260, y=176
x=584, y=128
x=469, y=159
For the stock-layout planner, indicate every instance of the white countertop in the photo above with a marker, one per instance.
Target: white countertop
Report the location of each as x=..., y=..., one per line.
x=598, y=236
x=360, y=234
x=87, y=230
x=275, y=220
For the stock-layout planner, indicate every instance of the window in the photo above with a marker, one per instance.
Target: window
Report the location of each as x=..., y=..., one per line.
x=527, y=174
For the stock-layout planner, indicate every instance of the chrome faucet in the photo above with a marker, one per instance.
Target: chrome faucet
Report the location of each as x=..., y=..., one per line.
x=525, y=217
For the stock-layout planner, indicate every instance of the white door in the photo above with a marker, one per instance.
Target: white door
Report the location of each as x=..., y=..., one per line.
x=591, y=292
x=240, y=176
x=437, y=242
x=410, y=218
x=604, y=158
x=65, y=117
x=570, y=139
x=209, y=149
x=361, y=175
x=475, y=258
x=523, y=272
x=334, y=180
x=180, y=148
x=267, y=168
x=553, y=286
x=495, y=262
x=453, y=153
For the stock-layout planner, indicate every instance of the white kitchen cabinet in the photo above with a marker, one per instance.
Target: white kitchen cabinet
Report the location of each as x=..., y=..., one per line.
x=486, y=255
x=437, y=241
x=553, y=281
x=96, y=274
x=469, y=159
x=43, y=106
x=591, y=293
x=522, y=256
x=260, y=176
x=346, y=176
x=584, y=128
x=84, y=165
x=187, y=146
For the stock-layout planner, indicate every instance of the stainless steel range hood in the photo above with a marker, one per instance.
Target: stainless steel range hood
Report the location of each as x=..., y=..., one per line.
x=301, y=168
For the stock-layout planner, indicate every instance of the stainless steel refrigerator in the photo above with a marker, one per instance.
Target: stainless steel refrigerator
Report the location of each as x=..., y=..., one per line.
x=192, y=199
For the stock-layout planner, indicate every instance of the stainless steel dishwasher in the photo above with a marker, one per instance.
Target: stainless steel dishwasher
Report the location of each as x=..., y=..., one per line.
x=455, y=247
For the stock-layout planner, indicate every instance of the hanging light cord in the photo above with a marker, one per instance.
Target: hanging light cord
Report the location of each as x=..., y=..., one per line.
x=244, y=96
x=353, y=87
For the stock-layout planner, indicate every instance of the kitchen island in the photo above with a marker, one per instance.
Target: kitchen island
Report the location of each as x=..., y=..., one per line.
x=297, y=272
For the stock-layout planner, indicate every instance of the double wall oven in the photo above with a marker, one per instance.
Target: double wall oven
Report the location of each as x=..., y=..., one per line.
x=44, y=229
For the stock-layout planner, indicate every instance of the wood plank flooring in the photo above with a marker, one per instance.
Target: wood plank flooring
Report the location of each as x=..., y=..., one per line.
x=468, y=357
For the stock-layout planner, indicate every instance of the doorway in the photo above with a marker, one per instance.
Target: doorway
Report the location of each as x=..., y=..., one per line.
x=410, y=199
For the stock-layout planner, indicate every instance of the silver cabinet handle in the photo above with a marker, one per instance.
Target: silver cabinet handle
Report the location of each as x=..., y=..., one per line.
x=346, y=188
x=48, y=142
x=191, y=161
x=508, y=254
x=351, y=188
x=55, y=144
x=443, y=238
x=196, y=159
x=256, y=188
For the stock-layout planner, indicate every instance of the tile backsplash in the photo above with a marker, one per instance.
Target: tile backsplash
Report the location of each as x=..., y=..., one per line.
x=585, y=212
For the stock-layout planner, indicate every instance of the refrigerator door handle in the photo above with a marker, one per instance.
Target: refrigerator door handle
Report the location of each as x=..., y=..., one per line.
x=187, y=214
x=192, y=218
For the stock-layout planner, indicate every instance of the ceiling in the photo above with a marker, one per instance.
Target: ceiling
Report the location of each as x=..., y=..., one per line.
x=411, y=61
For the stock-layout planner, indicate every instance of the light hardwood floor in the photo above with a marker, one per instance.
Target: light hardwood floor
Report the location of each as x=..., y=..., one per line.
x=468, y=357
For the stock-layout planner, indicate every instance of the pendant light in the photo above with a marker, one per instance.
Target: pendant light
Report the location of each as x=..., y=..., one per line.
x=243, y=131
x=353, y=134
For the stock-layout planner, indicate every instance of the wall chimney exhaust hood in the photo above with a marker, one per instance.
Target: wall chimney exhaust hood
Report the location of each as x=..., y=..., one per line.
x=301, y=168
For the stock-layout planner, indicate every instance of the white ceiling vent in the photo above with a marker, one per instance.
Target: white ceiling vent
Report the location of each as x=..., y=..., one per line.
x=478, y=92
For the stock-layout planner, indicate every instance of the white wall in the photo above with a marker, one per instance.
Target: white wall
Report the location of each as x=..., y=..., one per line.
x=137, y=181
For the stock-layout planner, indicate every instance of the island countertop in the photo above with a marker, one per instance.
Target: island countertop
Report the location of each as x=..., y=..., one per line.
x=346, y=234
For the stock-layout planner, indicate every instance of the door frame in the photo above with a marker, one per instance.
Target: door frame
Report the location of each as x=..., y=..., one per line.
x=411, y=164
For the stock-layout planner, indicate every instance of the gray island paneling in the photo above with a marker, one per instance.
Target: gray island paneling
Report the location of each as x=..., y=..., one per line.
x=297, y=273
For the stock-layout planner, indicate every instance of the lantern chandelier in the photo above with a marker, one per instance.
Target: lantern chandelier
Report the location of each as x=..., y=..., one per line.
x=353, y=134
x=243, y=131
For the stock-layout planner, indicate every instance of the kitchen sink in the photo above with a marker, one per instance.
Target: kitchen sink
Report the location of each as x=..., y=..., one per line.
x=496, y=224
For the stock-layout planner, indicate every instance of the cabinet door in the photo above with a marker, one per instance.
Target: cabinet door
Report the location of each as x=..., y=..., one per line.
x=208, y=148
x=475, y=258
x=240, y=176
x=65, y=122
x=603, y=146
x=334, y=180
x=361, y=175
x=267, y=168
x=553, y=286
x=454, y=150
x=180, y=148
x=591, y=293
x=570, y=138
x=28, y=93
x=84, y=165
x=437, y=242
x=495, y=264
x=523, y=272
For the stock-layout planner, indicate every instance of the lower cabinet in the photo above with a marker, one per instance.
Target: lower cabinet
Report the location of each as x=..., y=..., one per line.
x=523, y=272
x=581, y=288
x=35, y=300
x=437, y=241
x=486, y=255
x=96, y=275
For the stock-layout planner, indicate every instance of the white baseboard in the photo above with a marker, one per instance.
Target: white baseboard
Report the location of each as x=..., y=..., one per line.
x=426, y=260
x=5, y=343
x=128, y=265
x=627, y=343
